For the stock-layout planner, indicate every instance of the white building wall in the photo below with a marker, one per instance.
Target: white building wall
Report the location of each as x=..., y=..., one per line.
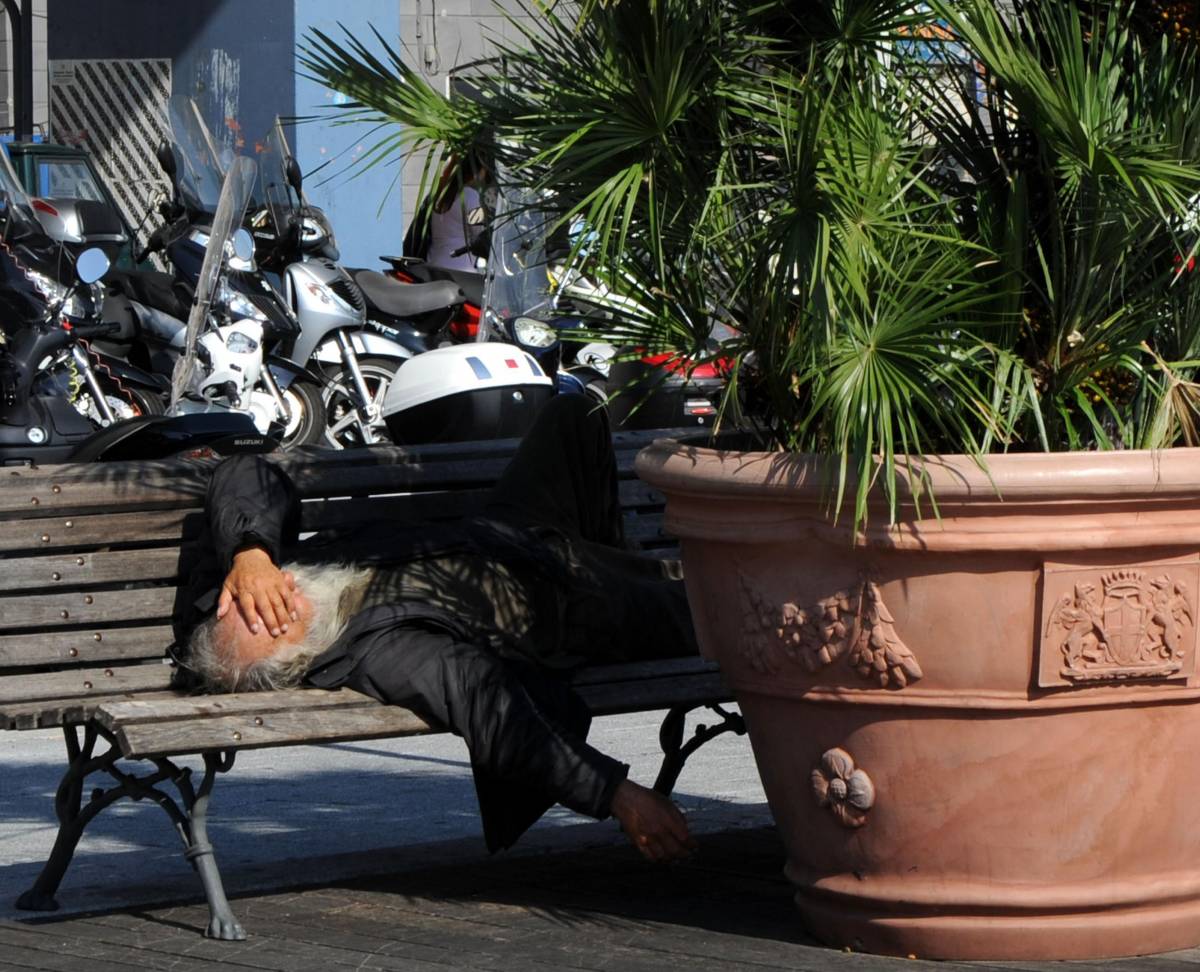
x=41, y=106
x=441, y=35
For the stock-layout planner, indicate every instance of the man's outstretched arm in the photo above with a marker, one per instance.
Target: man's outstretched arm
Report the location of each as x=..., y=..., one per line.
x=466, y=688
x=653, y=823
x=253, y=512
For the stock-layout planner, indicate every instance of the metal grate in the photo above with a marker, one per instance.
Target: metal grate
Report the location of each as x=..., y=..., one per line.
x=348, y=291
x=117, y=110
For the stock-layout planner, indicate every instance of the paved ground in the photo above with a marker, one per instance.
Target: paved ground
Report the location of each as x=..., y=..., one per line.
x=585, y=910
x=278, y=810
x=337, y=859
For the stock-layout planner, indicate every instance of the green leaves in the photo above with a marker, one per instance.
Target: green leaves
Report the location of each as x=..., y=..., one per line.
x=907, y=230
x=392, y=98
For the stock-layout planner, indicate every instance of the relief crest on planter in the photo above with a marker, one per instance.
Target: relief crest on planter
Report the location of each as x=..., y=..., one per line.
x=1115, y=624
x=851, y=624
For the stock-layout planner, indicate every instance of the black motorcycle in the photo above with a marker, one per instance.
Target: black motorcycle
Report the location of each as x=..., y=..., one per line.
x=40, y=425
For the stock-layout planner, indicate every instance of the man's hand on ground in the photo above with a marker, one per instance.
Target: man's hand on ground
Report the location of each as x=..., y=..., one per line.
x=653, y=823
x=262, y=592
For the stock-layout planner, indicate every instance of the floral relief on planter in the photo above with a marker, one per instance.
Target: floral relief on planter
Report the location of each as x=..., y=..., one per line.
x=855, y=625
x=1118, y=623
x=844, y=788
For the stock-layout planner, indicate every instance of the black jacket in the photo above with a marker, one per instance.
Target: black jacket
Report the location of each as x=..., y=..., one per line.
x=523, y=725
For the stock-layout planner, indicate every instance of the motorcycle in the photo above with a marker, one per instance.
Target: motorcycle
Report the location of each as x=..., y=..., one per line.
x=39, y=425
x=36, y=274
x=495, y=385
x=356, y=328
x=245, y=313
x=583, y=364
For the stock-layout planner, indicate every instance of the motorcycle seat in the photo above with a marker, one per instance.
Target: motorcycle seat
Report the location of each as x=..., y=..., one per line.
x=408, y=300
x=469, y=281
x=151, y=288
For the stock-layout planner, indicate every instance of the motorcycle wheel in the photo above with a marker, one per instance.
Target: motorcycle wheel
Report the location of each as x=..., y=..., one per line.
x=597, y=391
x=306, y=415
x=343, y=427
x=125, y=402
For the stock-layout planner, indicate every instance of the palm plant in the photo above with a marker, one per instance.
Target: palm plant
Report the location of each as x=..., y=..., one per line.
x=1079, y=173
x=904, y=270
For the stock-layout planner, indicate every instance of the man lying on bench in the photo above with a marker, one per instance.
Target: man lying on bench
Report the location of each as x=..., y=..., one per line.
x=472, y=626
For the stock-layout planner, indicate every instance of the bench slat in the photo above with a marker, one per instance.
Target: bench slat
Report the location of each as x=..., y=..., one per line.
x=94, y=529
x=168, y=474
x=179, y=707
x=658, y=668
x=55, y=647
x=73, y=608
x=59, y=712
x=182, y=483
x=80, y=682
x=409, y=507
x=414, y=507
x=100, y=567
x=304, y=725
x=142, y=729
x=100, y=529
x=658, y=693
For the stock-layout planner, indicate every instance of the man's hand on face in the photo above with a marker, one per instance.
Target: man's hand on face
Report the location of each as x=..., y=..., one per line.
x=264, y=594
x=653, y=823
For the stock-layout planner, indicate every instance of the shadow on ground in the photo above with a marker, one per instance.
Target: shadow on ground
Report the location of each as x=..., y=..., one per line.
x=288, y=824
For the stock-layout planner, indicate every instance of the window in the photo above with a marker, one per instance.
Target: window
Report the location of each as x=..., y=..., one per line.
x=67, y=178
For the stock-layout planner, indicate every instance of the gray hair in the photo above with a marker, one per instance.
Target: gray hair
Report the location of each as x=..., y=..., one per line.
x=335, y=591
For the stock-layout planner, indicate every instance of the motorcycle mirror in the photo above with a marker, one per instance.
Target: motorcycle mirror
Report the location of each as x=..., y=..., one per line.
x=91, y=265
x=166, y=158
x=294, y=177
x=243, y=246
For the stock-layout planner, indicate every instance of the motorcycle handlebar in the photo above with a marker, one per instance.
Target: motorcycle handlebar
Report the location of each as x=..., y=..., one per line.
x=85, y=332
x=152, y=245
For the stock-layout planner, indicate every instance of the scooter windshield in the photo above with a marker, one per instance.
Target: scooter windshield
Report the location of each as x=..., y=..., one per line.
x=275, y=193
x=200, y=161
x=517, y=281
x=229, y=212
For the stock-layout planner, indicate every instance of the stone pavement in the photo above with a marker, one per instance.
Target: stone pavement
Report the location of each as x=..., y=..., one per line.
x=344, y=804
x=585, y=909
x=368, y=856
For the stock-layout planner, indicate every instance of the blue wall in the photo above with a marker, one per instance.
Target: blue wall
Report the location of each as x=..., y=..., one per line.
x=363, y=205
x=237, y=59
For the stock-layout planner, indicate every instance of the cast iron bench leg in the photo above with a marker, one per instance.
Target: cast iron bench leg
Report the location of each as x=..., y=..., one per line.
x=191, y=822
x=71, y=821
x=676, y=751
x=221, y=921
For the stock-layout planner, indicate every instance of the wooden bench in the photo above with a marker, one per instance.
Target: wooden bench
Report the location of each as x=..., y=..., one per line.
x=89, y=558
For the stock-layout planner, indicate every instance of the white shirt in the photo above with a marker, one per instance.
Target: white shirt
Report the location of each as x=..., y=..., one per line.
x=459, y=225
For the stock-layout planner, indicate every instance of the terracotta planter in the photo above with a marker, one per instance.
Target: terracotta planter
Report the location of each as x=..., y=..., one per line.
x=979, y=735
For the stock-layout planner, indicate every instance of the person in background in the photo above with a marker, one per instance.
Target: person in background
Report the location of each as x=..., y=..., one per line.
x=450, y=229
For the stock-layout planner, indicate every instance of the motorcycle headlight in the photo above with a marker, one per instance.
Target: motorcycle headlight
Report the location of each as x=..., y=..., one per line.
x=237, y=304
x=240, y=343
x=533, y=333
x=314, y=230
x=237, y=263
x=54, y=292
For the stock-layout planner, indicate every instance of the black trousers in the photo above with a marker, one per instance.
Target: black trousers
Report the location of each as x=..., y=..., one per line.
x=523, y=726
x=612, y=605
